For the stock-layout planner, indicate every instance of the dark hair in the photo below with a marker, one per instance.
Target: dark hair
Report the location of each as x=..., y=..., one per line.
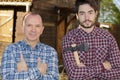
x=95, y=4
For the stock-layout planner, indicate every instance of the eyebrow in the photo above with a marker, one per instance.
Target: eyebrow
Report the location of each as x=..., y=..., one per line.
x=84, y=12
x=91, y=11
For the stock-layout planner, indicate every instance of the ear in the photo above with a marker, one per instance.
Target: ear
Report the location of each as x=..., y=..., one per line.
x=42, y=29
x=96, y=13
x=76, y=16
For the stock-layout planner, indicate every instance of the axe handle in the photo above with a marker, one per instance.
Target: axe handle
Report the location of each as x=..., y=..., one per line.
x=76, y=57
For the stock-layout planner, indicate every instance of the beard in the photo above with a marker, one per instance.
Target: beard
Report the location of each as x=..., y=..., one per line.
x=87, y=25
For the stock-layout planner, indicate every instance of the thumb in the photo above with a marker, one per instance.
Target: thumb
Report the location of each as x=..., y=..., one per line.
x=39, y=60
x=21, y=57
x=73, y=45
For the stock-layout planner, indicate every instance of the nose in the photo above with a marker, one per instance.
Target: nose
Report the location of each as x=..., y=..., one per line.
x=33, y=28
x=86, y=16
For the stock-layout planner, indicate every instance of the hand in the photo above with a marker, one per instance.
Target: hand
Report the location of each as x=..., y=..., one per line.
x=107, y=65
x=81, y=65
x=42, y=67
x=22, y=66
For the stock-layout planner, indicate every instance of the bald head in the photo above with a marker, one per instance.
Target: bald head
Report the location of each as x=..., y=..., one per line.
x=27, y=16
x=32, y=27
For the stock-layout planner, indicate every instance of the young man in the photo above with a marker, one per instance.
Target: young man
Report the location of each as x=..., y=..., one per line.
x=30, y=59
x=89, y=52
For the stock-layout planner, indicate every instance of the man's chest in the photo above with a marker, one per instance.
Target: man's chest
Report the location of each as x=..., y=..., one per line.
x=97, y=52
x=31, y=57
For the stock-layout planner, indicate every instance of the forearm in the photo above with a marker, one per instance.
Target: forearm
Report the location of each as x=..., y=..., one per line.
x=34, y=73
x=114, y=59
x=111, y=74
x=15, y=76
x=87, y=72
x=81, y=72
x=49, y=76
x=52, y=72
x=31, y=74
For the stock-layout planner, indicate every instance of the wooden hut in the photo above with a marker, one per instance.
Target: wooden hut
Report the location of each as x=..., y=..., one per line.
x=56, y=14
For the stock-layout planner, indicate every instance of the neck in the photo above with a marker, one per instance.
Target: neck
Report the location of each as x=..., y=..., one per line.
x=88, y=30
x=31, y=43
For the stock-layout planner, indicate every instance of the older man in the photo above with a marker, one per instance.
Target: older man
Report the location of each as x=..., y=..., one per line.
x=30, y=59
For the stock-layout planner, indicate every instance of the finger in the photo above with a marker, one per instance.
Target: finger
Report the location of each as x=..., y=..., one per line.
x=21, y=57
x=39, y=60
x=46, y=66
x=43, y=71
x=73, y=45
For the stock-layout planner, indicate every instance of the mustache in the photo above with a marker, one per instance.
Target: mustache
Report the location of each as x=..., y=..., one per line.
x=87, y=20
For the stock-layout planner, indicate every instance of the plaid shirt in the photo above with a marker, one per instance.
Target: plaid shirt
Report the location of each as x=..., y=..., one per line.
x=11, y=57
x=0, y=71
x=102, y=47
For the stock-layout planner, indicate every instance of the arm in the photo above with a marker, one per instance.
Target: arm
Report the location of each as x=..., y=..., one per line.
x=9, y=67
x=75, y=72
x=10, y=72
x=52, y=70
x=114, y=59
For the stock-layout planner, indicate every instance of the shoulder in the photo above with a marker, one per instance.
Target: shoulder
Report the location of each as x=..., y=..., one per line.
x=70, y=34
x=46, y=48
x=104, y=33
x=13, y=46
x=70, y=37
x=11, y=50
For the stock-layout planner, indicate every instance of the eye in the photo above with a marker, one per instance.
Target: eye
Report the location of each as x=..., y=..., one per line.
x=38, y=25
x=91, y=12
x=29, y=25
x=81, y=13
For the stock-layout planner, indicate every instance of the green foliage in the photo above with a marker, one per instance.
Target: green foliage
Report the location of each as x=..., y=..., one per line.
x=109, y=12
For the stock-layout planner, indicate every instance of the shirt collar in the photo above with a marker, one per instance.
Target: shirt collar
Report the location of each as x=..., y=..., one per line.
x=26, y=44
x=83, y=33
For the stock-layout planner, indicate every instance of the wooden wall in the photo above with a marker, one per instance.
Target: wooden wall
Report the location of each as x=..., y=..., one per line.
x=52, y=34
x=115, y=31
x=60, y=34
x=6, y=27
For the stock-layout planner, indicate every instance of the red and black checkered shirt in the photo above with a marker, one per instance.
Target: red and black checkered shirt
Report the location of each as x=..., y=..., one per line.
x=102, y=47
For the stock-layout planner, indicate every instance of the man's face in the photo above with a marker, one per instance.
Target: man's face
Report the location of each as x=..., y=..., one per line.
x=86, y=16
x=32, y=27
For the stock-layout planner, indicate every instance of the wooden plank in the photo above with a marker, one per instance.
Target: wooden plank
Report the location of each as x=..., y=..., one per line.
x=6, y=25
x=15, y=0
x=6, y=21
x=27, y=4
x=49, y=24
x=16, y=3
x=4, y=14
